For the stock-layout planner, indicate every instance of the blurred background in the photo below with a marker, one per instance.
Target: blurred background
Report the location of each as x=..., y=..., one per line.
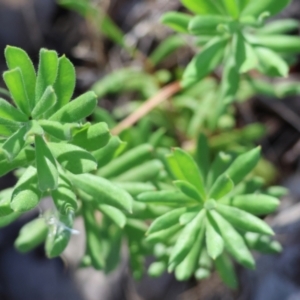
x=33, y=24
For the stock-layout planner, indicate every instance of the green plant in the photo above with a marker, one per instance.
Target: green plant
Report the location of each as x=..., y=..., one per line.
x=205, y=202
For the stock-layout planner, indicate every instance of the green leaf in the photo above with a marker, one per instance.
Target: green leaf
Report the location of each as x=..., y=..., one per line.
x=26, y=195
x=14, y=144
x=188, y=189
x=204, y=7
x=232, y=7
x=65, y=82
x=136, y=188
x=166, y=196
x=8, y=127
x=243, y=220
x=31, y=235
x=63, y=197
x=184, y=167
x=188, y=266
x=279, y=27
x=214, y=242
x=76, y=110
x=234, y=243
x=262, y=243
x=157, y=268
x=18, y=58
x=9, y=112
x=243, y=165
x=185, y=241
x=222, y=186
x=46, y=166
x=164, y=235
x=165, y=221
x=219, y=165
x=91, y=137
x=45, y=103
x=206, y=24
x=189, y=215
x=15, y=83
x=257, y=204
x=202, y=155
x=114, y=214
x=59, y=234
x=25, y=157
x=278, y=43
x=144, y=172
x=255, y=8
x=204, y=62
x=131, y=158
x=58, y=130
x=73, y=158
x=103, y=191
x=226, y=271
x=94, y=244
x=251, y=59
x=166, y=48
x=176, y=20
x=270, y=63
x=104, y=155
x=5, y=197
x=47, y=72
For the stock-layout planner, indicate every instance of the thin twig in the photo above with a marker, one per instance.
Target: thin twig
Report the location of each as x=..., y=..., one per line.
x=165, y=93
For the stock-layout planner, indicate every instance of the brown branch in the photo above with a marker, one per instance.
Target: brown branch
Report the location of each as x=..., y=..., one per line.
x=165, y=93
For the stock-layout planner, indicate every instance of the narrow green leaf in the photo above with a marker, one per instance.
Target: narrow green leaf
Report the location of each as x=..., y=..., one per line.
x=59, y=234
x=187, y=267
x=26, y=195
x=204, y=62
x=163, y=236
x=114, y=214
x=279, y=27
x=58, y=130
x=234, y=243
x=14, y=144
x=226, y=271
x=188, y=189
x=189, y=170
x=15, y=83
x=214, y=242
x=136, y=188
x=144, y=172
x=186, y=240
x=167, y=220
x=63, y=197
x=243, y=165
x=257, y=204
x=255, y=8
x=7, y=111
x=262, y=243
x=165, y=197
x=176, y=20
x=104, y=155
x=129, y=159
x=46, y=102
x=31, y=235
x=222, y=186
x=206, y=24
x=46, y=166
x=278, y=43
x=5, y=197
x=18, y=58
x=47, y=72
x=8, y=127
x=166, y=48
x=232, y=7
x=157, y=268
x=219, y=165
x=73, y=158
x=65, y=82
x=202, y=155
x=271, y=63
x=76, y=110
x=189, y=215
x=203, y=7
x=104, y=191
x=243, y=220
x=92, y=137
